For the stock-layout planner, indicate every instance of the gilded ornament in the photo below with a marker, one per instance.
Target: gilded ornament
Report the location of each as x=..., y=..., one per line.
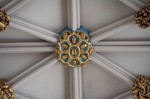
x=74, y=62
x=142, y=17
x=65, y=46
x=4, y=20
x=74, y=48
x=141, y=88
x=83, y=46
x=6, y=91
x=74, y=39
x=64, y=57
x=65, y=35
x=83, y=56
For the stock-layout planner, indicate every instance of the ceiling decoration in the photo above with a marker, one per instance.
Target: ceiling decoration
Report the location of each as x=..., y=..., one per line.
x=73, y=42
x=6, y=91
x=74, y=47
x=4, y=20
x=142, y=17
x=141, y=87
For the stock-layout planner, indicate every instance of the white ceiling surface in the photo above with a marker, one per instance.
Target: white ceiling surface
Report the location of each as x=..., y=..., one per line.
x=53, y=83
x=54, y=16
x=98, y=13
x=131, y=32
x=134, y=62
x=14, y=35
x=13, y=64
x=50, y=84
x=50, y=14
x=4, y=2
x=99, y=84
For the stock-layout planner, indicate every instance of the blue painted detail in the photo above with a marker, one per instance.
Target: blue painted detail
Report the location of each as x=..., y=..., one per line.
x=81, y=29
x=77, y=39
x=74, y=49
x=66, y=60
x=83, y=60
x=65, y=29
x=83, y=48
x=62, y=48
x=73, y=53
x=84, y=30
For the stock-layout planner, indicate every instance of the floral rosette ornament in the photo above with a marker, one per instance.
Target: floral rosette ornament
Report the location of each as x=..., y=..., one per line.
x=4, y=20
x=141, y=88
x=142, y=17
x=6, y=91
x=74, y=47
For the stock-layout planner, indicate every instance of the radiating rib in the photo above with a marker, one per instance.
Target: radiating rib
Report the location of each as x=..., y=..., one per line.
x=78, y=14
x=122, y=48
x=126, y=95
x=69, y=13
x=80, y=82
x=113, y=68
x=111, y=29
x=33, y=71
x=26, y=44
x=73, y=14
x=75, y=73
x=27, y=49
x=122, y=43
x=35, y=30
x=134, y=4
x=75, y=83
x=18, y=96
x=8, y=5
x=14, y=5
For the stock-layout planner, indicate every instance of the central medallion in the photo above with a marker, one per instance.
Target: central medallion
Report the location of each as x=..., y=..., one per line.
x=74, y=47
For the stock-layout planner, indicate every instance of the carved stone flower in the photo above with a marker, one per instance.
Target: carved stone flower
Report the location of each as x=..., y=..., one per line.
x=6, y=92
x=4, y=20
x=141, y=88
x=142, y=17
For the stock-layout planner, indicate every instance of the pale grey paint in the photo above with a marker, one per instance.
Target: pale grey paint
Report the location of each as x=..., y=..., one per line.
x=54, y=83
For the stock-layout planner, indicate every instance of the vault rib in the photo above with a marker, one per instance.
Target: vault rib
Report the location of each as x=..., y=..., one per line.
x=73, y=8
x=126, y=95
x=122, y=48
x=33, y=29
x=73, y=14
x=75, y=73
x=8, y=5
x=13, y=5
x=134, y=4
x=19, y=96
x=78, y=14
x=69, y=13
x=26, y=47
x=25, y=44
x=111, y=29
x=122, y=43
x=36, y=69
x=113, y=68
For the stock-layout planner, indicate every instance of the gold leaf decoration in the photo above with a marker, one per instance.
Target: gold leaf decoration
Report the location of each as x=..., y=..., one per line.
x=6, y=91
x=142, y=17
x=141, y=88
x=4, y=20
x=74, y=48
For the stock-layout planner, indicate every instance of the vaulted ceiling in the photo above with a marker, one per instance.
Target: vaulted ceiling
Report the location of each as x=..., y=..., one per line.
x=27, y=48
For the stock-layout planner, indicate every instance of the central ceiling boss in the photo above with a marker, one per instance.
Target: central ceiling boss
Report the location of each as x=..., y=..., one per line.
x=74, y=48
